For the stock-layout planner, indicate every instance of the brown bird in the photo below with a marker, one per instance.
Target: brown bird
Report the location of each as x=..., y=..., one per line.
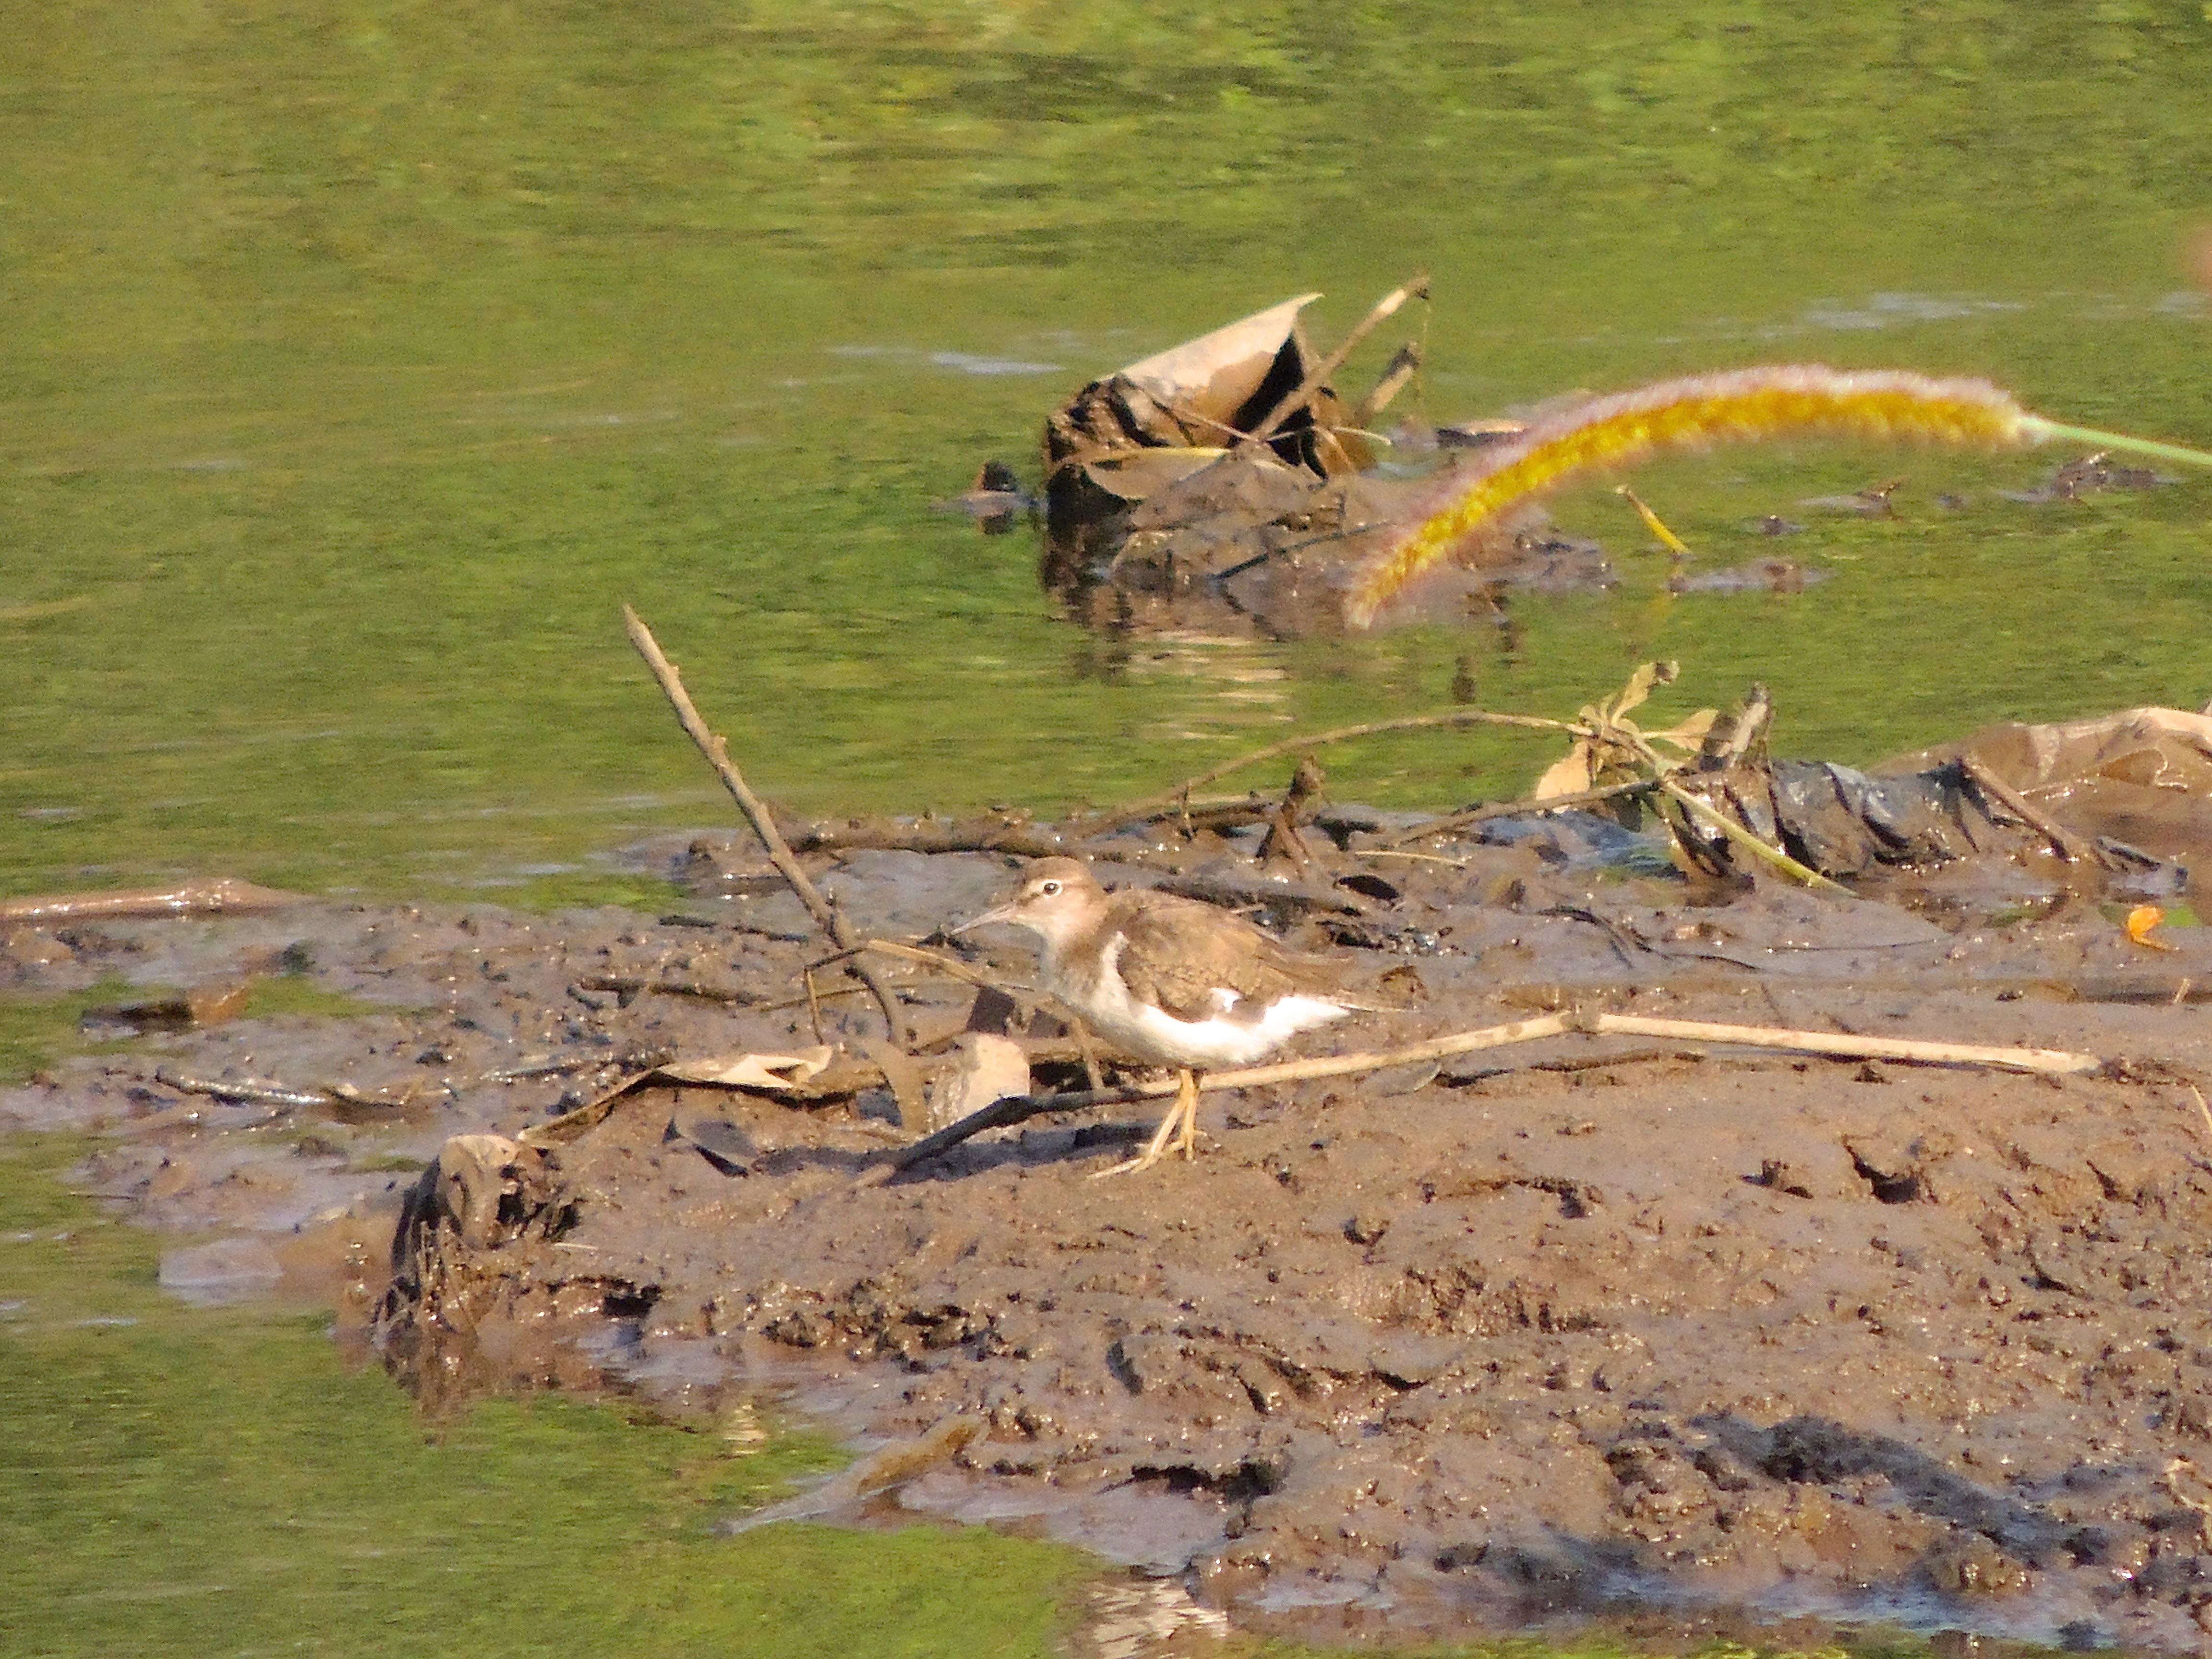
x=1169, y=980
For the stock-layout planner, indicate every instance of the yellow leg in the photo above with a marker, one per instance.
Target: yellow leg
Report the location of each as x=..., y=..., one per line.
x=1182, y=1116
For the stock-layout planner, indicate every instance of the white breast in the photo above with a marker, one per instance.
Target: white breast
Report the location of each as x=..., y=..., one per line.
x=1154, y=1034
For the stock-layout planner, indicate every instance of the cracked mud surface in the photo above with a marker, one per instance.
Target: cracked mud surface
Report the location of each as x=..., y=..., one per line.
x=1550, y=1333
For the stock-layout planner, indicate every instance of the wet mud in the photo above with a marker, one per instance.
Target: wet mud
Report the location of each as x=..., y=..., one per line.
x=1592, y=1329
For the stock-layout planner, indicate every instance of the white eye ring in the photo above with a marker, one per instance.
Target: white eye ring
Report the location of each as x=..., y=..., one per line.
x=1048, y=888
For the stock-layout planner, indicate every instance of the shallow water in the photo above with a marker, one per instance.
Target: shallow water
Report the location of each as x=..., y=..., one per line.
x=181, y=1482
x=357, y=368
x=354, y=368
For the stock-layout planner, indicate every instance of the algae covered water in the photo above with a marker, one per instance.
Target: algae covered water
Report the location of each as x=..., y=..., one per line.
x=356, y=366
x=356, y=369
x=188, y=1482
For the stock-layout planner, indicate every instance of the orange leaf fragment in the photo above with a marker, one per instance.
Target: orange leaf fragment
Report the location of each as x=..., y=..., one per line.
x=2140, y=922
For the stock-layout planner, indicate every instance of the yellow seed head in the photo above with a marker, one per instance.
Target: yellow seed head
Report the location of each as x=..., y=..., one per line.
x=1695, y=412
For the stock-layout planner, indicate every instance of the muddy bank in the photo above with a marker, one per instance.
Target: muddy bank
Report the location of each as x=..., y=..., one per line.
x=1595, y=1328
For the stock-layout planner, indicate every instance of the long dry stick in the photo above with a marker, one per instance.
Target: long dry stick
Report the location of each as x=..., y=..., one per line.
x=755, y=811
x=2055, y=1060
x=1019, y=1108
x=1131, y=813
x=1416, y=287
x=223, y=896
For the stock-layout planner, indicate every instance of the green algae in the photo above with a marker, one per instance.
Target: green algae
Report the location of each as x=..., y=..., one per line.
x=34, y=1031
x=175, y=1482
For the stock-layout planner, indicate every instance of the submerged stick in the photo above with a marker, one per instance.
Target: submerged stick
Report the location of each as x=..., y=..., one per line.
x=2069, y=846
x=756, y=812
x=1452, y=823
x=223, y=896
x=1129, y=814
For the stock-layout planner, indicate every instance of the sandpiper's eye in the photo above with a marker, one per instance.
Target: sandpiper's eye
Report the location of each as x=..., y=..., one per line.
x=1048, y=888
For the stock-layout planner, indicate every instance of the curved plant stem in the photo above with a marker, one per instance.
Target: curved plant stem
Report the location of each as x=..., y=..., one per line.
x=1129, y=814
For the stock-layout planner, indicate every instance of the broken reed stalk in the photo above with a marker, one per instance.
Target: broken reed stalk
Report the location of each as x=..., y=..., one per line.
x=1414, y=288
x=1396, y=375
x=1833, y=1045
x=1131, y=813
x=756, y=813
x=1838, y=1046
x=1698, y=411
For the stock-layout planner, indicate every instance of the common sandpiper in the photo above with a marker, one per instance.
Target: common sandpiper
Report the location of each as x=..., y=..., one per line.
x=1172, y=981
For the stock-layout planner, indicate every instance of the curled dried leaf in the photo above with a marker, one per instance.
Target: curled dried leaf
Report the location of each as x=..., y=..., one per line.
x=2140, y=922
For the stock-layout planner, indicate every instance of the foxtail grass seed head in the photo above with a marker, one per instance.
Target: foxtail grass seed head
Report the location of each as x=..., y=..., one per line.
x=1696, y=412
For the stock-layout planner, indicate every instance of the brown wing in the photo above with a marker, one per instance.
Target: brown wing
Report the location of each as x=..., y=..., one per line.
x=1177, y=954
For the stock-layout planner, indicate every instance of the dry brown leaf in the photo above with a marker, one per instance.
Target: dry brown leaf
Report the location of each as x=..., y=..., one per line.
x=1690, y=735
x=1647, y=678
x=1569, y=776
x=772, y=1072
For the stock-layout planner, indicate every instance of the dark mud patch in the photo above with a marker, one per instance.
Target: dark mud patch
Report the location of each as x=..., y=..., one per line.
x=1592, y=1331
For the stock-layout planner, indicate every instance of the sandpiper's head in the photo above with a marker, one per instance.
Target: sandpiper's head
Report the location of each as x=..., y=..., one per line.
x=1058, y=899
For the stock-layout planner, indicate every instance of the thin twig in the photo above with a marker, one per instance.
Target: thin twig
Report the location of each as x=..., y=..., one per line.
x=756, y=812
x=991, y=833
x=2069, y=846
x=1131, y=813
x=632, y=984
x=943, y=963
x=1416, y=287
x=1453, y=823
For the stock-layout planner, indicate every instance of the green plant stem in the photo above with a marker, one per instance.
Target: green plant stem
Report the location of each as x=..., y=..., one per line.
x=1751, y=843
x=2041, y=429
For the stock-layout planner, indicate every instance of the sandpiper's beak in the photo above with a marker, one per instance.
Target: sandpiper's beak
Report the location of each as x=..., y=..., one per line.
x=1000, y=912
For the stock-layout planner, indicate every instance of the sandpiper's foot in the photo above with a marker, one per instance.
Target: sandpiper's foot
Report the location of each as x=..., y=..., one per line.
x=1182, y=1116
